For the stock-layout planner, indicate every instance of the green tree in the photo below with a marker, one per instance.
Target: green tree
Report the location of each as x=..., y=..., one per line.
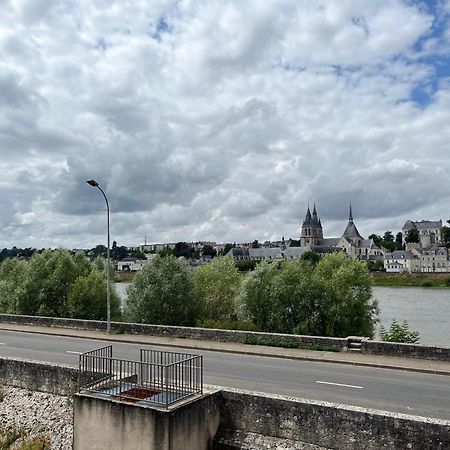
x=87, y=298
x=399, y=240
x=412, y=236
x=255, y=244
x=377, y=240
x=209, y=250
x=216, y=286
x=311, y=256
x=399, y=333
x=227, y=248
x=162, y=293
x=44, y=285
x=446, y=236
x=257, y=297
x=349, y=308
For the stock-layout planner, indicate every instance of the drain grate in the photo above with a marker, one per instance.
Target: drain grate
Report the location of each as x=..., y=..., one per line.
x=136, y=394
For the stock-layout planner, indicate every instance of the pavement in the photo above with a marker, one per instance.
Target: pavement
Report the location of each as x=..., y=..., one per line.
x=349, y=358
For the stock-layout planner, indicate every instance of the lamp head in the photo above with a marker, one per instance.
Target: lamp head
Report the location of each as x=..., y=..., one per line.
x=92, y=183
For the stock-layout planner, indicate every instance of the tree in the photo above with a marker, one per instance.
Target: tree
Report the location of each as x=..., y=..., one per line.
x=216, y=286
x=257, y=299
x=45, y=285
x=227, y=248
x=350, y=309
x=412, y=236
x=183, y=249
x=333, y=298
x=311, y=256
x=399, y=333
x=87, y=298
x=255, y=244
x=377, y=240
x=162, y=293
x=118, y=253
x=399, y=240
x=388, y=241
x=445, y=231
x=208, y=250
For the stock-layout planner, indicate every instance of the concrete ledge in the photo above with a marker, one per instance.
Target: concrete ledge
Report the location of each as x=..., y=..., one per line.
x=38, y=376
x=247, y=417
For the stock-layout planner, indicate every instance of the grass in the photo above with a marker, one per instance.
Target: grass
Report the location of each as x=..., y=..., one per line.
x=124, y=277
x=16, y=437
x=440, y=280
x=288, y=343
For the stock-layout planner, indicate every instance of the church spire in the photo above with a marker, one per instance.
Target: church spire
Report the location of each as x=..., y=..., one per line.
x=350, y=215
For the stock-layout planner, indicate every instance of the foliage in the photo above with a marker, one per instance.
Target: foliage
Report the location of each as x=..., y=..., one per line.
x=288, y=343
x=245, y=265
x=163, y=293
x=333, y=298
x=399, y=239
x=227, y=248
x=399, y=333
x=375, y=266
x=377, y=240
x=311, y=256
x=208, y=250
x=16, y=437
x=216, y=286
x=183, y=249
x=412, y=236
x=446, y=235
x=118, y=252
x=48, y=283
x=255, y=244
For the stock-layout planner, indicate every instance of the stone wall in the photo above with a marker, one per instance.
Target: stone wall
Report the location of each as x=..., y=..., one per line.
x=255, y=421
x=367, y=346
x=405, y=350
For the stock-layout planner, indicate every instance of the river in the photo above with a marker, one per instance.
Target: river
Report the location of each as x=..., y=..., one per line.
x=427, y=310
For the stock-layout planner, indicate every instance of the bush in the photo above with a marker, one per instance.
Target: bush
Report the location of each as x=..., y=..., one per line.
x=399, y=333
x=426, y=284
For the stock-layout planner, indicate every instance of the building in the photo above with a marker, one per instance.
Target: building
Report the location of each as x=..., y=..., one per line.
x=311, y=239
x=418, y=260
x=430, y=232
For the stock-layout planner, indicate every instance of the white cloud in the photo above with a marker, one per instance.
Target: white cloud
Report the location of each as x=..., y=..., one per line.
x=218, y=120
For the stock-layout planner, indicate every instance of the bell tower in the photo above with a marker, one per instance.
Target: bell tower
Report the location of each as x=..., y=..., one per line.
x=311, y=229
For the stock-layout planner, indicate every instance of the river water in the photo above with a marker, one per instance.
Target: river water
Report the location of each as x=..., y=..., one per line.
x=426, y=310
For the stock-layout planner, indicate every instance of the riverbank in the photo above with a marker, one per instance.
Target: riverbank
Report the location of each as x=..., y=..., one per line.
x=439, y=280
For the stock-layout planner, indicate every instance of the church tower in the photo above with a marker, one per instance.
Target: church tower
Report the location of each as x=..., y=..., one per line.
x=312, y=231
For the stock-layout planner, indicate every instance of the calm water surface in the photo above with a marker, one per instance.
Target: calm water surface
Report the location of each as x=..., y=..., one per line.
x=426, y=310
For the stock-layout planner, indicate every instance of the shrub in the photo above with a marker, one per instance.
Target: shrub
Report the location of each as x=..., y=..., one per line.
x=399, y=333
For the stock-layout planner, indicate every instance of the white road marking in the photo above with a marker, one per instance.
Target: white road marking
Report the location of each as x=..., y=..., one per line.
x=339, y=384
x=76, y=353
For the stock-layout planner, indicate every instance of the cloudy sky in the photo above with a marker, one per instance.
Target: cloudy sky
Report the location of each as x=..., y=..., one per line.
x=220, y=120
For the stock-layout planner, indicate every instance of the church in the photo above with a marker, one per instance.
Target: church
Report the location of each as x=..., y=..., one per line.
x=311, y=239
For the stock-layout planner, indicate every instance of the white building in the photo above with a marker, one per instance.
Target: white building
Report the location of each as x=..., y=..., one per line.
x=430, y=232
x=418, y=260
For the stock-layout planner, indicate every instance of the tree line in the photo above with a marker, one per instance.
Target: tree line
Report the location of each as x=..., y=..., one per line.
x=328, y=296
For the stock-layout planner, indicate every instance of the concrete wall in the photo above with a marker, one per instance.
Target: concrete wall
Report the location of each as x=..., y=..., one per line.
x=259, y=421
x=367, y=346
x=38, y=376
x=191, y=426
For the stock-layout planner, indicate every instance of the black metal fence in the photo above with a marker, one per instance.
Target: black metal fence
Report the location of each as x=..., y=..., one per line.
x=159, y=378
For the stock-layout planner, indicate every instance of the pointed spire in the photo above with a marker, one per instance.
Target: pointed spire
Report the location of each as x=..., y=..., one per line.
x=308, y=215
x=350, y=215
x=314, y=211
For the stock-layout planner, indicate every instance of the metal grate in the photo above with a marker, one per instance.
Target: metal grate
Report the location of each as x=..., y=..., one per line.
x=159, y=378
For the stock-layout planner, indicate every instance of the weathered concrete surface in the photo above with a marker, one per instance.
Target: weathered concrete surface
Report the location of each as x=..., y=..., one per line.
x=247, y=417
x=39, y=376
x=105, y=424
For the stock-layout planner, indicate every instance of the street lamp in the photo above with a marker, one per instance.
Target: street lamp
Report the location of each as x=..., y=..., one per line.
x=93, y=183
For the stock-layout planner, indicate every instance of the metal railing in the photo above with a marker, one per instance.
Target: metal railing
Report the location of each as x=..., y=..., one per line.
x=159, y=378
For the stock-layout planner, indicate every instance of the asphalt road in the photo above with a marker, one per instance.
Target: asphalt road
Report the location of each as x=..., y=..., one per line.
x=386, y=389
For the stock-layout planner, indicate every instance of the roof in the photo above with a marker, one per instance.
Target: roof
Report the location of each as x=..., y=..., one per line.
x=422, y=225
x=400, y=254
x=351, y=232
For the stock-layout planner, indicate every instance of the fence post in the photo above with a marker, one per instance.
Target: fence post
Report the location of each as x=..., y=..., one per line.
x=120, y=379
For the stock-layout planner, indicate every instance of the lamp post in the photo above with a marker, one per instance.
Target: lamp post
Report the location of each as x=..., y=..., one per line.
x=93, y=183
